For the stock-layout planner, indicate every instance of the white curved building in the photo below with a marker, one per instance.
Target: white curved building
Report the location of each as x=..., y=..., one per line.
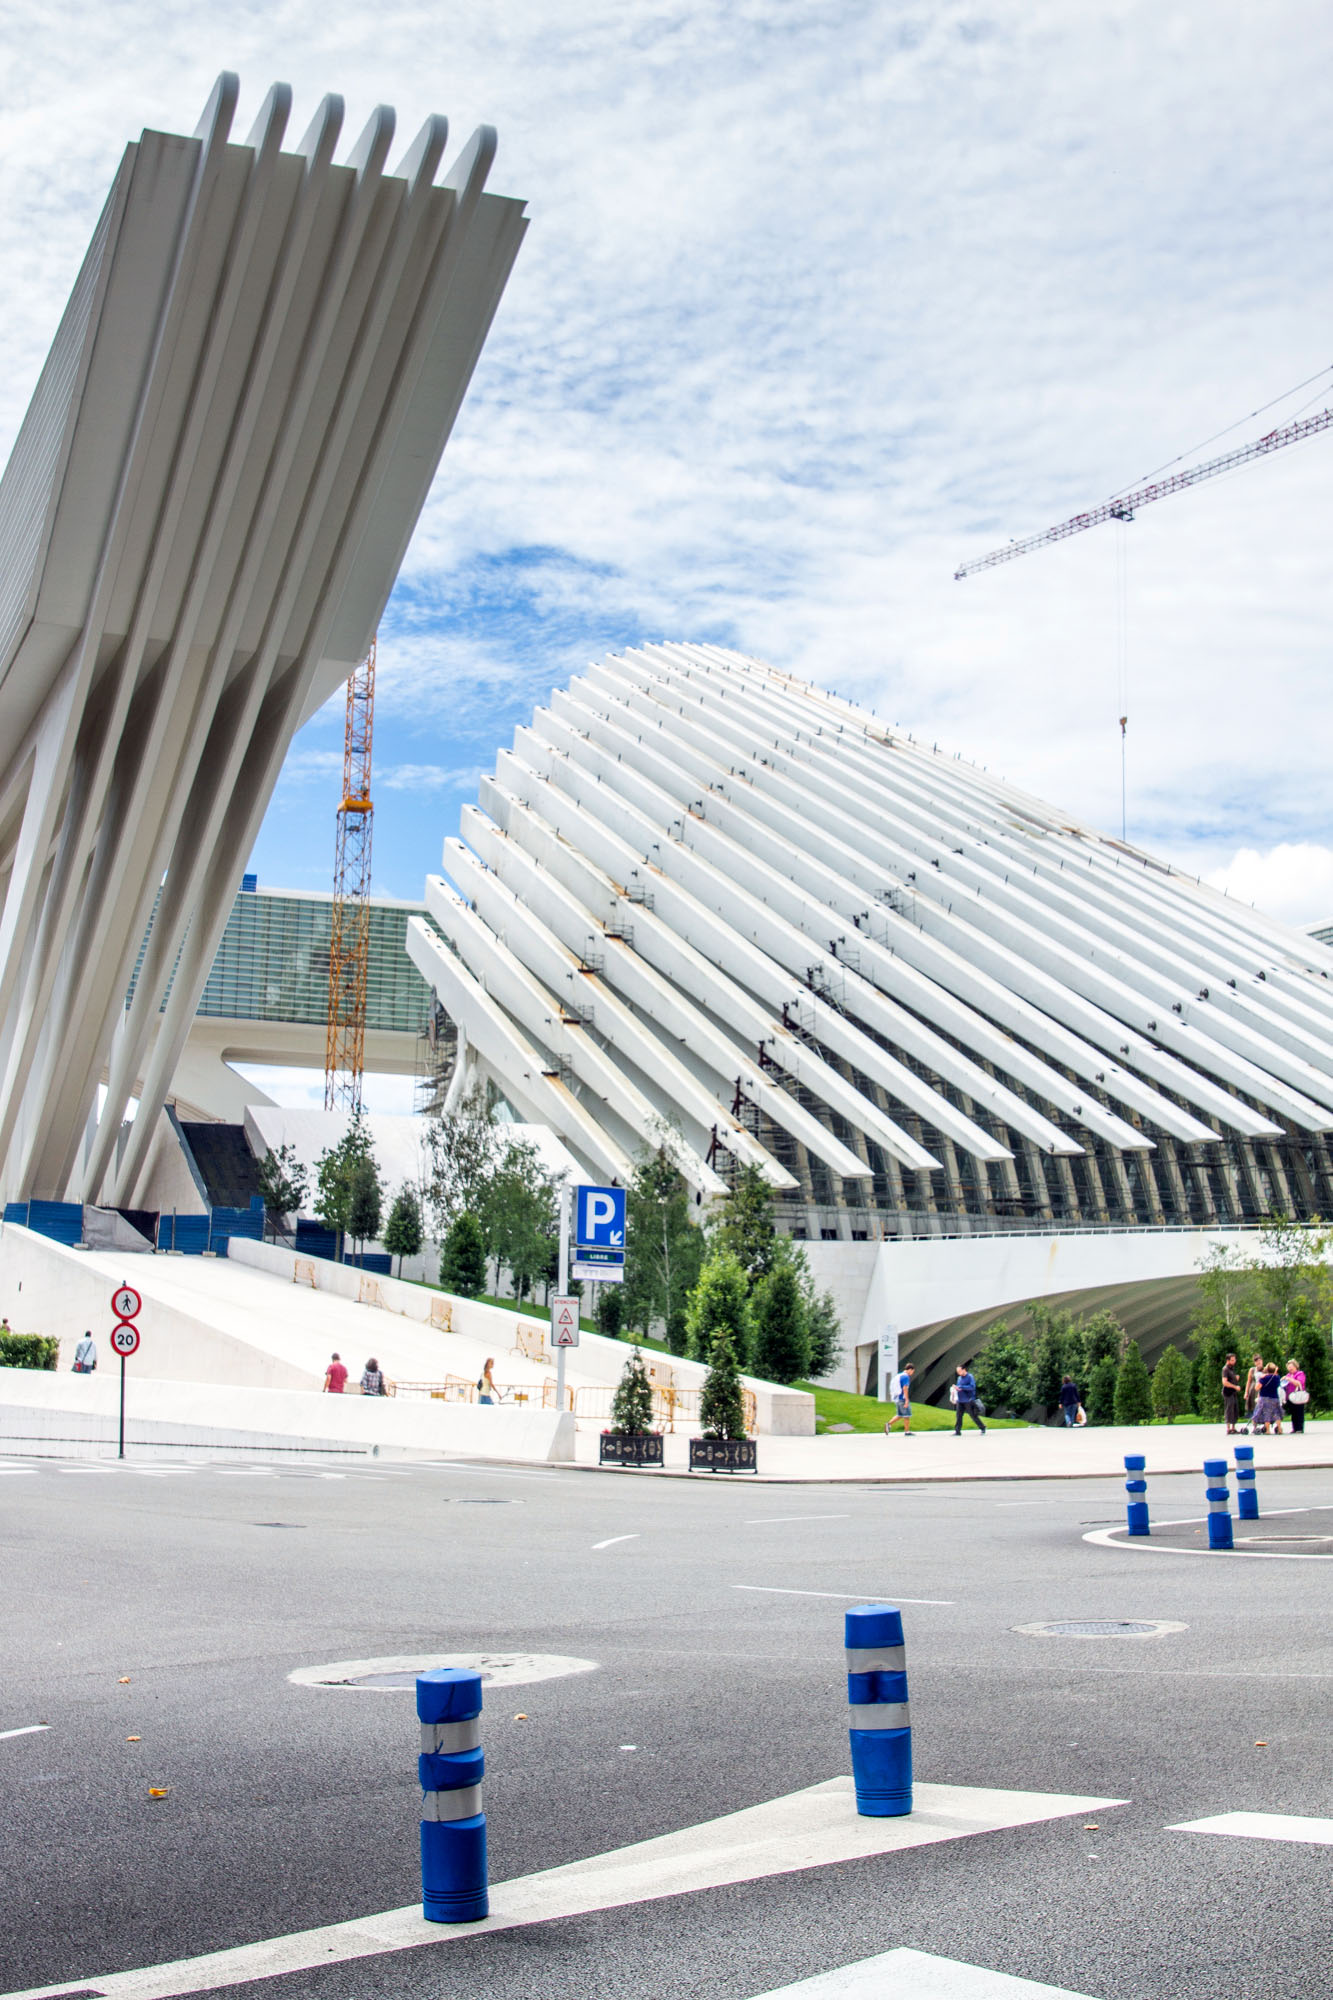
x=704, y=900
x=200, y=522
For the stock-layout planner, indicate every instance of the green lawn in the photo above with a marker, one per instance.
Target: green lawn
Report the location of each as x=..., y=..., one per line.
x=865, y=1413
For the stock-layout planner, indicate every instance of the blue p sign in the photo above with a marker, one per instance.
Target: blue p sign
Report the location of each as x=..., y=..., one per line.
x=600, y=1218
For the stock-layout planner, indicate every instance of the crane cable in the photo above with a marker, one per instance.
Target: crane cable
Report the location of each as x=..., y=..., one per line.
x=1262, y=410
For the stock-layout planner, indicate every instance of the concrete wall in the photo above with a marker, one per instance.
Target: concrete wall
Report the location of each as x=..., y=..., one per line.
x=943, y=1295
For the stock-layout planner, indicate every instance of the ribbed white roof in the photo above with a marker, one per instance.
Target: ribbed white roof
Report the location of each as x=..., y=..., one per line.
x=700, y=891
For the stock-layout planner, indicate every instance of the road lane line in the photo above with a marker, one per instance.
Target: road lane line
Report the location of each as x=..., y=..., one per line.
x=1263, y=1826
x=903, y=1974
x=843, y=1597
x=611, y=1541
x=814, y=1828
x=777, y=1520
x=29, y=1729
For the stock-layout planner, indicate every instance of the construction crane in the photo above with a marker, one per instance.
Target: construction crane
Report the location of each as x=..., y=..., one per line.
x=1125, y=505
x=349, y=940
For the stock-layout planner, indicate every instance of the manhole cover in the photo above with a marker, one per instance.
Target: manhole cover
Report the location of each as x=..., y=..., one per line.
x=1101, y=1628
x=1289, y=1538
x=400, y=1670
x=453, y=1501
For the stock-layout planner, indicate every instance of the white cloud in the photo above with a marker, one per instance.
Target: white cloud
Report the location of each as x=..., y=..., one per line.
x=815, y=302
x=1293, y=881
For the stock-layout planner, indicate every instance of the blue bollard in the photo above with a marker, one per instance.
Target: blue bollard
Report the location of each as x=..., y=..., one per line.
x=453, y=1826
x=1137, y=1509
x=1247, y=1493
x=1219, y=1511
x=881, y=1722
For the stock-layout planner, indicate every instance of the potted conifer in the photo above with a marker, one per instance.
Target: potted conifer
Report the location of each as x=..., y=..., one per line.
x=631, y=1439
x=724, y=1446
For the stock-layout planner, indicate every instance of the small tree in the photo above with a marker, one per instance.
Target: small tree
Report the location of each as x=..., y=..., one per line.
x=782, y=1328
x=1103, y=1337
x=402, y=1232
x=632, y=1404
x=463, y=1258
x=1052, y=1329
x=283, y=1184
x=1132, y=1403
x=1004, y=1370
x=1171, y=1385
x=744, y=1225
x=721, y=1407
x=610, y=1311
x=1100, y=1403
x=365, y=1202
x=825, y=1331
x=1307, y=1339
x=337, y=1173
x=721, y=1299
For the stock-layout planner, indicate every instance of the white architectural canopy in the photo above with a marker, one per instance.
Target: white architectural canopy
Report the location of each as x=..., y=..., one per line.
x=203, y=515
x=704, y=903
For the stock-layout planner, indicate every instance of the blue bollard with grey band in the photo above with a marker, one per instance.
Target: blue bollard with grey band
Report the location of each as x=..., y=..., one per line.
x=1247, y=1493
x=1136, y=1507
x=1219, y=1504
x=453, y=1826
x=881, y=1722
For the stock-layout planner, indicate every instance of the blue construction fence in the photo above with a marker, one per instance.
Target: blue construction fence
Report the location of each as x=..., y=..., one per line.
x=192, y=1234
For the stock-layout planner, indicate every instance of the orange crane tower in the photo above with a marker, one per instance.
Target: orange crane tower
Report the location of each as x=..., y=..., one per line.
x=349, y=941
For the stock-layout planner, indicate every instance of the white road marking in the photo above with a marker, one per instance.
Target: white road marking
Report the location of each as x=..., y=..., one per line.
x=1144, y=1544
x=842, y=1596
x=778, y=1520
x=496, y=1669
x=917, y=1975
x=1263, y=1826
x=16, y=1471
x=814, y=1828
x=611, y=1541
x=30, y=1729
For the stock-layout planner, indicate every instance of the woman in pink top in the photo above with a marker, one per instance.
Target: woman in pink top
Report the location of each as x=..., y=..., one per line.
x=1295, y=1395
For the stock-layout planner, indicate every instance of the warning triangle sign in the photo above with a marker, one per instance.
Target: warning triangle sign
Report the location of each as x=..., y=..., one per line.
x=564, y=1322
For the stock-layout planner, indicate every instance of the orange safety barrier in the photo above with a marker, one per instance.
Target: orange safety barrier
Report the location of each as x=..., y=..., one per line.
x=303, y=1273
x=442, y=1314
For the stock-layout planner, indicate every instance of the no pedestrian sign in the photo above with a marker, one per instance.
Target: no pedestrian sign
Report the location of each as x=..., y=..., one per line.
x=125, y=1302
x=564, y=1322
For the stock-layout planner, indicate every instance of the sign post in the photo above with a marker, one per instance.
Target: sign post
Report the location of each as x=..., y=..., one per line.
x=562, y=1283
x=125, y=1304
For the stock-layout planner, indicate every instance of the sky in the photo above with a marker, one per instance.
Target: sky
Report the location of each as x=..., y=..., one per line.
x=817, y=301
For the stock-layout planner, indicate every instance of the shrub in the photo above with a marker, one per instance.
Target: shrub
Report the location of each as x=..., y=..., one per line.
x=1171, y=1385
x=1004, y=1371
x=28, y=1350
x=782, y=1327
x=825, y=1331
x=463, y=1258
x=1100, y=1403
x=1133, y=1388
x=632, y=1404
x=610, y=1311
x=1308, y=1341
x=402, y=1232
x=721, y=1409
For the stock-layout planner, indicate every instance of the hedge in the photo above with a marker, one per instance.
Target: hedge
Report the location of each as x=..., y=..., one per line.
x=28, y=1350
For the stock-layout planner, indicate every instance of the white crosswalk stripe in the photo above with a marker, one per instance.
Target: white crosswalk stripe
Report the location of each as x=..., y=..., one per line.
x=1263, y=1826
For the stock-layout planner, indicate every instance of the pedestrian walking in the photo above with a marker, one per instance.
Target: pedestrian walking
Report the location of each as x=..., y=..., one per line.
x=335, y=1377
x=486, y=1389
x=1231, y=1393
x=1069, y=1402
x=965, y=1399
x=902, y=1396
x=372, y=1379
x=85, y=1354
x=1268, y=1407
x=1295, y=1395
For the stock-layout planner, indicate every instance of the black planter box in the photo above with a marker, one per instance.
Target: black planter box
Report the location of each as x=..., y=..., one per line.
x=645, y=1449
x=724, y=1455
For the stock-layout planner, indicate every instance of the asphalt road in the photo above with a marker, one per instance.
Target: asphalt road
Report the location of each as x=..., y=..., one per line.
x=171, y=1610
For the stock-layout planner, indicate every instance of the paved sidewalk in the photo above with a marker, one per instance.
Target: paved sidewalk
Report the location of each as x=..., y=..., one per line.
x=1035, y=1453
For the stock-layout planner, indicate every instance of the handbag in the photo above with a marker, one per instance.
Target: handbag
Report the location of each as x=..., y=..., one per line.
x=1298, y=1396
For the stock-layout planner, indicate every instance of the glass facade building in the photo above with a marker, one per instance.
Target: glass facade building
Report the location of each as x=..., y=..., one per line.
x=273, y=963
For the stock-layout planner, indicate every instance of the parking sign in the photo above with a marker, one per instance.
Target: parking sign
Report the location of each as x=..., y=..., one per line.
x=600, y=1218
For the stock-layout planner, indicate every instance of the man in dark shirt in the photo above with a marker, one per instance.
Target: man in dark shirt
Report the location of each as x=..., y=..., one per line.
x=1231, y=1393
x=1069, y=1401
x=965, y=1399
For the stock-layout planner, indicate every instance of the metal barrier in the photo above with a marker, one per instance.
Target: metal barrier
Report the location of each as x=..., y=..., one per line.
x=368, y=1292
x=669, y=1405
x=442, y=1314
x=531, y=1343
x=303, y=1273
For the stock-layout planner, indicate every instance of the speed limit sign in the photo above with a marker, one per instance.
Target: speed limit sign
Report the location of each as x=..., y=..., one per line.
x=125, y=1303
x=124, y=1340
